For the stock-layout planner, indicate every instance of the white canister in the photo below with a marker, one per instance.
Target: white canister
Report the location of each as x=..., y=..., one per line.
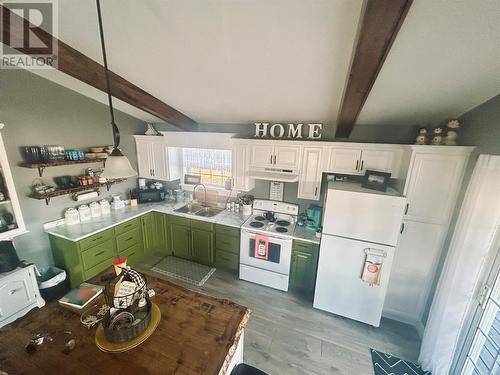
x=95, y=209
x=84, y=212
x=105, y=207
x=246, y=209
x=71, y=216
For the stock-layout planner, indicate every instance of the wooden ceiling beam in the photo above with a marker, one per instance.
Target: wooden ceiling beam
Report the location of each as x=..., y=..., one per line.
x=83, y=68
x=380, y=23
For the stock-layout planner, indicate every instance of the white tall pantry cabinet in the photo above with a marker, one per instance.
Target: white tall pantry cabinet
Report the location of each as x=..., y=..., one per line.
x=433, y=182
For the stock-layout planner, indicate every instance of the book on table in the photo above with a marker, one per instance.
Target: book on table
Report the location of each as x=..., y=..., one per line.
x=80, y=297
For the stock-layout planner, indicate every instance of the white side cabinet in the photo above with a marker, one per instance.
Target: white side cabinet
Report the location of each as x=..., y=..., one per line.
x=310, y=173
x=18, y=294
x=156, y=160
x=434, y=179
x=239, y=162
x=433, y=182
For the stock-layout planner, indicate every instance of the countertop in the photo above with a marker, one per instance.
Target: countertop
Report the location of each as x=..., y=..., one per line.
x=82, y=230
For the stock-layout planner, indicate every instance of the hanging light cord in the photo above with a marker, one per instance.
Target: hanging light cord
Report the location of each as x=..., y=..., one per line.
x=116, y=132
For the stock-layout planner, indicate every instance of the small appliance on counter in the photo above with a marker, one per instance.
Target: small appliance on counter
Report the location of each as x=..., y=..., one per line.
x=180, y=196
x=314, y=213
x=150, y=195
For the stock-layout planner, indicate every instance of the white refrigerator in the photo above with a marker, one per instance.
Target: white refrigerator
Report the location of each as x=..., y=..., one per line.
x=361, y=228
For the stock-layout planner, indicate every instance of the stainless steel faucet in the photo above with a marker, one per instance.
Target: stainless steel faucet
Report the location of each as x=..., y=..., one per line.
x=205, y=189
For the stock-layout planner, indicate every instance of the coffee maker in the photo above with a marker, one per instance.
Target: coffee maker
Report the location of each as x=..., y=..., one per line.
x=8, y=257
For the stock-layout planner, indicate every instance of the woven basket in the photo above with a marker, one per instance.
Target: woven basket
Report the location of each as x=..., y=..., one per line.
x=126, y=334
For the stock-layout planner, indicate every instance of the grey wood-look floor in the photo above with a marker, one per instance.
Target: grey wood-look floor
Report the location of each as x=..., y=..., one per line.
x=286, y=335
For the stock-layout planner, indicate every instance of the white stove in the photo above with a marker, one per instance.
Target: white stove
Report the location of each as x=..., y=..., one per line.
x=266, y=243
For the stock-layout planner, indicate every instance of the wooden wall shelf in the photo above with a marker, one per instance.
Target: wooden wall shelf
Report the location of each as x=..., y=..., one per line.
x=42, y=166
x=59, y=192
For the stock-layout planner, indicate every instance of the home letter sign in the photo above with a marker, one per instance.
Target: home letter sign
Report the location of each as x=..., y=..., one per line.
x=263, y=130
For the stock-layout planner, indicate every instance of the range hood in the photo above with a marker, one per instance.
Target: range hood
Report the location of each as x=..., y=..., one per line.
x=273, y=174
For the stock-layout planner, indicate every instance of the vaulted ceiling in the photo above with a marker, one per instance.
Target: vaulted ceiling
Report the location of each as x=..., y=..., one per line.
x=236, y=61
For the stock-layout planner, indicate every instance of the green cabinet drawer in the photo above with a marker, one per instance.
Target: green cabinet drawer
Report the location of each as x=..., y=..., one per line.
x=227, y=260
x=96, y=239
x=227, y=231
x=179, y=220
x=90, y=273
x=203, y=225
x=227, y=243
x=133, y=254
x=128, y=239
x=126, y=226
x=101, y=253
x=305, y=247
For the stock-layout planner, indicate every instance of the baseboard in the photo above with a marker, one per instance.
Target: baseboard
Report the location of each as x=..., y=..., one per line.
x=407, y=319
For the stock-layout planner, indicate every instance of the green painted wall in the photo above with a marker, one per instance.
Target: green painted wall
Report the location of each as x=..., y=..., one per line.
x=39, y=112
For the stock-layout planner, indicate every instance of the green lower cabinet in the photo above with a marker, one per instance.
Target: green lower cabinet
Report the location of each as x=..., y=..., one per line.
x=153, y=232
x=191, y=239
x=227, y=247
x=179, y=240
x=202, y=248
x=304, y=266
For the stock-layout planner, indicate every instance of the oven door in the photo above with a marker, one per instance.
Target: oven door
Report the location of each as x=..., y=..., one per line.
x=279, y=253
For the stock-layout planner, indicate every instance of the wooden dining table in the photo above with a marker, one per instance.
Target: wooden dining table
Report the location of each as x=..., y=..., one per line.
x=197, y=334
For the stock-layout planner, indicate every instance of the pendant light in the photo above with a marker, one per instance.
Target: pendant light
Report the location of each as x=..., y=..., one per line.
x=117, y=165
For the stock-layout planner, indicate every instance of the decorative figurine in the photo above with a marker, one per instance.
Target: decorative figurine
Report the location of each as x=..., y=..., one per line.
x=451, y=135
x=151, y=130
x=422, y=136
x=438, y=136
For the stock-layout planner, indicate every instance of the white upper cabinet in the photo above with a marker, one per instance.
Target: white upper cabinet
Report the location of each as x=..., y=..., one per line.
x=344, y=160
x=262, y=155
x=157, y=161
x=310, y=173
x=272, y=155
x=356, y=159
x=240, y=156
x=378, y=160
x=433, y=182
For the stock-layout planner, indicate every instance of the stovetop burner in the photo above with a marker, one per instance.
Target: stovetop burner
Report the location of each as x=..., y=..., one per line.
x=283, y=223
x=259, y=218
x=256, y=224
x=281, y=230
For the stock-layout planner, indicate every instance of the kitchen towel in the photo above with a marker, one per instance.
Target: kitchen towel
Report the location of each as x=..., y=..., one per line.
x=261, y=247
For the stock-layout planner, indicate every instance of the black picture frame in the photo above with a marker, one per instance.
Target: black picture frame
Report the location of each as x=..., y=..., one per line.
x=376, y=180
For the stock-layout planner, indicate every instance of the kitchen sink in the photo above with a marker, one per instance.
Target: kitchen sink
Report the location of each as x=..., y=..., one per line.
x=198, y=210
x=189, y=209
x=208, y=211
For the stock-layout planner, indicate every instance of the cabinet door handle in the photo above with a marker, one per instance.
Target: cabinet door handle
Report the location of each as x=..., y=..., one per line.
x=362, y=162
x=271, y=160
x=301, y=256
x=357, y=164
x=316, y=191
x=406, y=208
x=402, y=228
x=14, y=291
x=99, y=253
x=130, y=238
x=274, y=159
x=97, y=238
